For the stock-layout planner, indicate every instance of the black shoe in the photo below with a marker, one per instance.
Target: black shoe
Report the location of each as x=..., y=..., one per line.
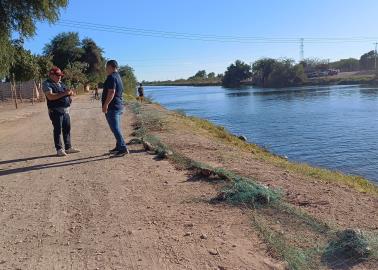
x=121, y=153
x=113, y=151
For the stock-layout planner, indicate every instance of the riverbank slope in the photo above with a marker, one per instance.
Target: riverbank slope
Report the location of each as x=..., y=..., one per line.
x=316, y=197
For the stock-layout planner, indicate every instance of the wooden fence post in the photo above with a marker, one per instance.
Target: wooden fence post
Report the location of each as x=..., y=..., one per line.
x=20, y=92
x=14, y=91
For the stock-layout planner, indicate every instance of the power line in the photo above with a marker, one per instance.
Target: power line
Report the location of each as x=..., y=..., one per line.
x=208, y=37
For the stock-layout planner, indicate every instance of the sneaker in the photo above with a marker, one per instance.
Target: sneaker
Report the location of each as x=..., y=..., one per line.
x=121, y=153
x=61, y=153
x=72, y=151
x=113, y=151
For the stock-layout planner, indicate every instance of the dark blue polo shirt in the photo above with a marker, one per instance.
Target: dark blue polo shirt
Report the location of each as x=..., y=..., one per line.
x=63, y=102
x=113, y=81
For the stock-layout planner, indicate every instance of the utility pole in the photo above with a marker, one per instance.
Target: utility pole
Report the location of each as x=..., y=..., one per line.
x=375, y=56
x=301, y=49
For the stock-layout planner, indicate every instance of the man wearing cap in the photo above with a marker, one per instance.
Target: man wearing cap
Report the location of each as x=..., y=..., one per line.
x=112, y=106
x=58, y=102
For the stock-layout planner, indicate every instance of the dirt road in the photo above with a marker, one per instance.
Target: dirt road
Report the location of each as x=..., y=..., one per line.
x=88, y=211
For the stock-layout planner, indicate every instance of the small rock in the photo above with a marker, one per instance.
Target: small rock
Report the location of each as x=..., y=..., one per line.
x=129, y=232
x=243, y=138
x=203, y=236
x=2, y=261
x=221, y=267
x=188, y=234
x=213, y=252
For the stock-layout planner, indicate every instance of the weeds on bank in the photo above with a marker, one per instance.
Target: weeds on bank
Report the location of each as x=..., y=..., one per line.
x=300, y=239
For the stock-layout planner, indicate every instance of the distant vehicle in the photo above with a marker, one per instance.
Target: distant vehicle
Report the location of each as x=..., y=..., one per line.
x=332, y=72
x=323, y=73
x=312, y=75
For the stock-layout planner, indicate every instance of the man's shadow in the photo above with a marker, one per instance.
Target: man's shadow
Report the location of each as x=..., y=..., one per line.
x=44, y=166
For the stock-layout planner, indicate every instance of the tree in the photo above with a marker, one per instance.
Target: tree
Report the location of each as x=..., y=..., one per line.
x=278, y=73
x=211, y=75
x=6, y=56
x=92, y=55
x=65, y=48
x=24, y=66
x=367, y=61
x=262, y=68
x=236, y=73
x=44, y=65
x=346, y=65
x=74, y=74
x=21, y=17
x=129, y=80
x=286, y=73
x=315, y=64
x=200, y=75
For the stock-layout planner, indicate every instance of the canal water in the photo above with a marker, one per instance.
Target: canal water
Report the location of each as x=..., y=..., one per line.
x=335, y=127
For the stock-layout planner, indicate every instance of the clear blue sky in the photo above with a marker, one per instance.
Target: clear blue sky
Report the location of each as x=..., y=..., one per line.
x=159, y=59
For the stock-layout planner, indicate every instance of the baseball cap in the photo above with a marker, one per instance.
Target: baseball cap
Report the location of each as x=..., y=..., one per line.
x=56, y=71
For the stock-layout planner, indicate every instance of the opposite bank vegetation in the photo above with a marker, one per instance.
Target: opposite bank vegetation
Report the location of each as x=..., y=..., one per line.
x=269, y=72
x=291, y=234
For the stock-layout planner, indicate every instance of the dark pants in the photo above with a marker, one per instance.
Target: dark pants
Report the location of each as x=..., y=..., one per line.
x=62, y=124
x=114, y=120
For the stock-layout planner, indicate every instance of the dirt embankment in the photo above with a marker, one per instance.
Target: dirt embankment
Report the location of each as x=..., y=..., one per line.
x=88, y=211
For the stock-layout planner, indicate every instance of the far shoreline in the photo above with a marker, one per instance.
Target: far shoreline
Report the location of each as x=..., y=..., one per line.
x=329, y=80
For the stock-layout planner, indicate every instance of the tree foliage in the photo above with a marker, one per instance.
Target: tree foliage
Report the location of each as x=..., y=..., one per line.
x=65, y=48
x=200, y=75
x=367, y=61
x=24, y=66
x=6, y=55
x=129, y=80
x=66, y=51
x=92, y=55
x=21, y=16
x=74, y=74
x=236, y=73
x=211, y=75
x=270, y=72
x=346, y=65
x=44, y=65
x=315, y=64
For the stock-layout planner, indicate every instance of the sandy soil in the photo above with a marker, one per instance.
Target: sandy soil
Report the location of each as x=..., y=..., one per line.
x=337, y=204
x=88, y=211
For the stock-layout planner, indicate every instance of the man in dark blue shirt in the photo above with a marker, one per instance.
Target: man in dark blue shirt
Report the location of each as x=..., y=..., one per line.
x=58, y=102
x=112, y=106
